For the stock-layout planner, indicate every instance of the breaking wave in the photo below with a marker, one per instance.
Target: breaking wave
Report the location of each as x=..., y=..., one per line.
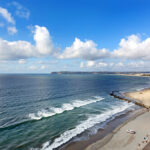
x=90, y=122
x=65, y=107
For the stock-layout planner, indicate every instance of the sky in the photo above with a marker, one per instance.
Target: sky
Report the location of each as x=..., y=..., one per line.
x=74, y=35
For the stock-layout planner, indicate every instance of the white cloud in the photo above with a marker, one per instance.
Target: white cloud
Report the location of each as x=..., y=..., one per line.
x=94, y=64
x=21, y=11
x=43, y=67
x=6, y=15
x=85, y=50
x=102, y=64
x=43, y=40
x=33, y=67
x=90, y=63
x=118, y=66
x=23, y=49
x=12, y=30
x=133, y=48
x=36, y=67
x=22, y=61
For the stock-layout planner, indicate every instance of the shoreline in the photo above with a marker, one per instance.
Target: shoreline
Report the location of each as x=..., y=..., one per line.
x=104, y=139
x=102, y=133
x=118, y=139
x=134, y=74
x=127, y=141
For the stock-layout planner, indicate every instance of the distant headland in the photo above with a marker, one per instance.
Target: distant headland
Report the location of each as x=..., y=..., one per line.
x=144, y=74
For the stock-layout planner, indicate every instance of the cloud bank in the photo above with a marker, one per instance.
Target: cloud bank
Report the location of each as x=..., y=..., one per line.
x=131, y=48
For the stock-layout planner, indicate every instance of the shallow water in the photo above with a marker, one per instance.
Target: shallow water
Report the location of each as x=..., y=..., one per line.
x=46, y=111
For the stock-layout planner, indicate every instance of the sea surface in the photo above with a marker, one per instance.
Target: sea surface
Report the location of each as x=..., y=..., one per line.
x=42, y=112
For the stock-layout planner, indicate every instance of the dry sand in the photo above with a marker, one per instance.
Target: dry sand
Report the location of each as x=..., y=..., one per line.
x=119, y=139
x=140, y=96
x=135, y=74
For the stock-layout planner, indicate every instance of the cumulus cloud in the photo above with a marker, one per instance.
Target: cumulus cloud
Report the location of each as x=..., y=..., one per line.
x=43, y=40
x=133, y=48
x=6, y=15
x=23, y=49
x=12, y=30
x=85, y=50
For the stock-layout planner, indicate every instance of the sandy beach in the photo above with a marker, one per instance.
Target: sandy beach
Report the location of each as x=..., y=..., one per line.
x=135, y=74
x=120, y=139
x=142, y=96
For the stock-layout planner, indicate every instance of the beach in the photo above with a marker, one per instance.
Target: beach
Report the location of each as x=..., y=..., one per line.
x=134, y=74
x=142, y=96
x=120, y=139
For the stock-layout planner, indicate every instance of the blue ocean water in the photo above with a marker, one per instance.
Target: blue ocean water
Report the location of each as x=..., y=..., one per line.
x=46, y=111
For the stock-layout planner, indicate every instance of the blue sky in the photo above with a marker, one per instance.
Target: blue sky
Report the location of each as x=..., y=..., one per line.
x=83, y=35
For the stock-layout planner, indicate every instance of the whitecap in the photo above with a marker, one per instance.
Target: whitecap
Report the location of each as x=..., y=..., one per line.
x=90, y=122
x=65, y=107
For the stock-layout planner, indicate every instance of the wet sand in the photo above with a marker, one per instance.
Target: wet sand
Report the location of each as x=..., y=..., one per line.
x=83, y=144
x=119, y=139
x=115, y=136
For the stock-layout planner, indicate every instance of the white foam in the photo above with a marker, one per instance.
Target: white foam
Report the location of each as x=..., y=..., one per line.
x=140, y=89
x=90, y=122
x=65, y=107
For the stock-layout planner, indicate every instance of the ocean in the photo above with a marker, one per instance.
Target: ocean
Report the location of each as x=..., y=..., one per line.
x=45, y=111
